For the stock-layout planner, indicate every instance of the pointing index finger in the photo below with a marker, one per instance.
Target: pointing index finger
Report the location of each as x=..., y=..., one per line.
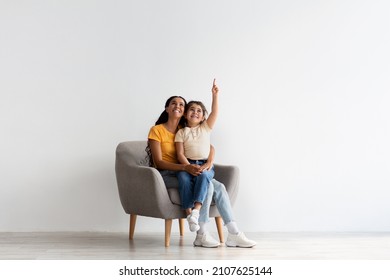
x=214, y=82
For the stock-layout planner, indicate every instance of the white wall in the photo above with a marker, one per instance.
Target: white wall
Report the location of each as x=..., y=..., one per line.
x=303, y=112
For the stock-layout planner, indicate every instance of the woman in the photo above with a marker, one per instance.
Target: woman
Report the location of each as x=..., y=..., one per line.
x=162, y=152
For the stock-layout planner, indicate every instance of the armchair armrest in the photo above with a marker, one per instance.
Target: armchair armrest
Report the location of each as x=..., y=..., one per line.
x=141, y=188
x=229, y=175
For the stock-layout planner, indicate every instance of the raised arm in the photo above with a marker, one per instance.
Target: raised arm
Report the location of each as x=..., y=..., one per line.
x=214, y=106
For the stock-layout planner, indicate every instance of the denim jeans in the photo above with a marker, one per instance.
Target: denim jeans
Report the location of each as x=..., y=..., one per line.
x=194, y=188
x=216, y=190
x=170, y=178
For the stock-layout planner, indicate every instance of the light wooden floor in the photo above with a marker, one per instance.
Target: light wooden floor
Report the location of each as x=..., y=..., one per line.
x=146, y=246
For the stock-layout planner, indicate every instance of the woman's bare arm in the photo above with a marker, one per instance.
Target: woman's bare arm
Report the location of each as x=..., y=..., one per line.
x=165, y=165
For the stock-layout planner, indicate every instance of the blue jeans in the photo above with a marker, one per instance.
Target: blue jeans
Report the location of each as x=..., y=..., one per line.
x=216, y=190
x=194, y=188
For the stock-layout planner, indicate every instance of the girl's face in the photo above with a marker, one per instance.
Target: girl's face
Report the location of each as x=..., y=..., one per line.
x=194, y=115
x=176, y=107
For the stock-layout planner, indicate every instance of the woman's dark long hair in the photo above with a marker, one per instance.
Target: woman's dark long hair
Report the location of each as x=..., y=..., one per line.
x=163, y=119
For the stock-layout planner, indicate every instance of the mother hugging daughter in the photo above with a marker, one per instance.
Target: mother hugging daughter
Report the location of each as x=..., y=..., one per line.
x=179, y=147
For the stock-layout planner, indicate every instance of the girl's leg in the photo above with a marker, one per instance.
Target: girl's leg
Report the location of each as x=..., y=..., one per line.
x=204, y=211
x=203, y=237
x=187, y=201
x=201, y=184
x=185, y=190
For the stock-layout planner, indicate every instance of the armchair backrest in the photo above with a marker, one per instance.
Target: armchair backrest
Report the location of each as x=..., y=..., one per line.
x=133, y=152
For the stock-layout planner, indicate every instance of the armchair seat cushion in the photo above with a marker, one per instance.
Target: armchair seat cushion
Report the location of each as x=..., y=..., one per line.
x=174, y=196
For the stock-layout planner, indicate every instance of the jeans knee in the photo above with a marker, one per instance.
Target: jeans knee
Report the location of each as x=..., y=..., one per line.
x=203, y=177
x=207, y=175
x=184, y=177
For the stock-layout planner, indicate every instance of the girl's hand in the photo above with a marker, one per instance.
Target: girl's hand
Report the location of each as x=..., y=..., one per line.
x=214, y=89
x=206, y=166
x=214, y=106
x=193, y=169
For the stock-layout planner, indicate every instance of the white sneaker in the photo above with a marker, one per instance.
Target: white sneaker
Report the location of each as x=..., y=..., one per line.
x=193, y=222
x=239, y=240
x=205, y=240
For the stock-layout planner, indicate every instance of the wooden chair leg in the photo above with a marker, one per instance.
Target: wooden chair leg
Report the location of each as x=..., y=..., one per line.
x=168, y=227
x=181, y=226
x=219, y=222
x=133, y=219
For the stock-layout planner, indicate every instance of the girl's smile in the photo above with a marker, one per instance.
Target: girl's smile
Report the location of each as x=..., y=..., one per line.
x=194, y=115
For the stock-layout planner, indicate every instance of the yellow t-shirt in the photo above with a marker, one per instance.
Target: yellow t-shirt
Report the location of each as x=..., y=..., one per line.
x=167, y=140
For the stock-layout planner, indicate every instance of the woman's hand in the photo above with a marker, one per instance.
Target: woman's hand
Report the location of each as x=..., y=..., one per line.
x=193, y=169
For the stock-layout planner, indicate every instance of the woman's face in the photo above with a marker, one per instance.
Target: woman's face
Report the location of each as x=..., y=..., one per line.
x=176, y=107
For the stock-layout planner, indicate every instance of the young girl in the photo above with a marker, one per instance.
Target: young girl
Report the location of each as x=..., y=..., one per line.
x=193, y=147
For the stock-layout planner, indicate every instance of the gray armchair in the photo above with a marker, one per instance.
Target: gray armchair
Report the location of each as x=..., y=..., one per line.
x=142, y=190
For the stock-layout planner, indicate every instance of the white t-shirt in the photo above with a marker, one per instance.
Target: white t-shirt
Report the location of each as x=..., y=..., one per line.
x=196, y=141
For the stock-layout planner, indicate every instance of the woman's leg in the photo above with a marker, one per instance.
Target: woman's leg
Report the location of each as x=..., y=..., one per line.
x=222, y=201
x=170, y=178
x=235, y=238
x=217, y=191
